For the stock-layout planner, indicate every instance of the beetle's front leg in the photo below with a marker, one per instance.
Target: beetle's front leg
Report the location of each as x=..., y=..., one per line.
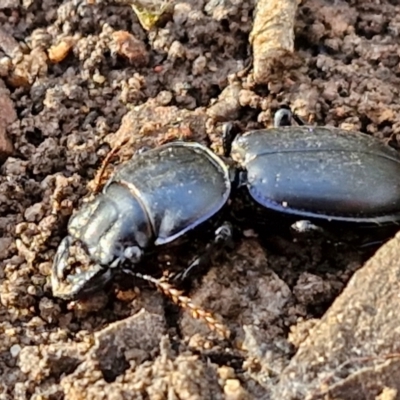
x=229, y=132
x=222, y=239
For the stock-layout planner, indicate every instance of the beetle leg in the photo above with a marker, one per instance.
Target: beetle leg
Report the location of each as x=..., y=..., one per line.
x=142, y=150
x=304, y=226
x=298, y=120
x=131, y=254
x=222, y=239
x=229, y=132
x=284, y=116
x=306, y=230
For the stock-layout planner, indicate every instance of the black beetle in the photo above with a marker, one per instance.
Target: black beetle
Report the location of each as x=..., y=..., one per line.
x=323, y=174
x=150, y=201
x=326, y=175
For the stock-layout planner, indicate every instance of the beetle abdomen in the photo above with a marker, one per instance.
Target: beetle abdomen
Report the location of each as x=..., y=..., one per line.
x=322, y=173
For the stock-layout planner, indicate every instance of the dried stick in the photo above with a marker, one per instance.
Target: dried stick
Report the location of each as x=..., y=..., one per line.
x=272, y=36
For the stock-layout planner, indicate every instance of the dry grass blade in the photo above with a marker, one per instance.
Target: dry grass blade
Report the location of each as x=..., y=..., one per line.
x=186, y=302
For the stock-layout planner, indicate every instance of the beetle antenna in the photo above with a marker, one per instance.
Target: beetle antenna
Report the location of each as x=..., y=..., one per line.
x=186, y=302
x=99, y=175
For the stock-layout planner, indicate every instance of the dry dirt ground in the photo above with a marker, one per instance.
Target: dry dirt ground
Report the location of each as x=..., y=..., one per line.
x=76, y=75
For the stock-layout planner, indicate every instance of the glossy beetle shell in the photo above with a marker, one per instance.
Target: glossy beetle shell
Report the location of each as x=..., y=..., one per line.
x=321, y=173
x=151, y=200
x=179, y=184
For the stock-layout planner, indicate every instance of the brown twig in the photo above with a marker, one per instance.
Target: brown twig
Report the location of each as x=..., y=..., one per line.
x=272, y=36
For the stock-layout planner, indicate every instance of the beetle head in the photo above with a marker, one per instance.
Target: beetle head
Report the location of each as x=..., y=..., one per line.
x=74, y=273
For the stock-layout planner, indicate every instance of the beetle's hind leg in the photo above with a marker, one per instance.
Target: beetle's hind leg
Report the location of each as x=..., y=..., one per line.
x=222, y=239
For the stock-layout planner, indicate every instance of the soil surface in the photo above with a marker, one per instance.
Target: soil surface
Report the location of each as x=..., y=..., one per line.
x=79, y=76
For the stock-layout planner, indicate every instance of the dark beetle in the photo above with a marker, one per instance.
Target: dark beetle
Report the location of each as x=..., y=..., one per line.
x=153, y=199
x=326, y=175
x=322, y=174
